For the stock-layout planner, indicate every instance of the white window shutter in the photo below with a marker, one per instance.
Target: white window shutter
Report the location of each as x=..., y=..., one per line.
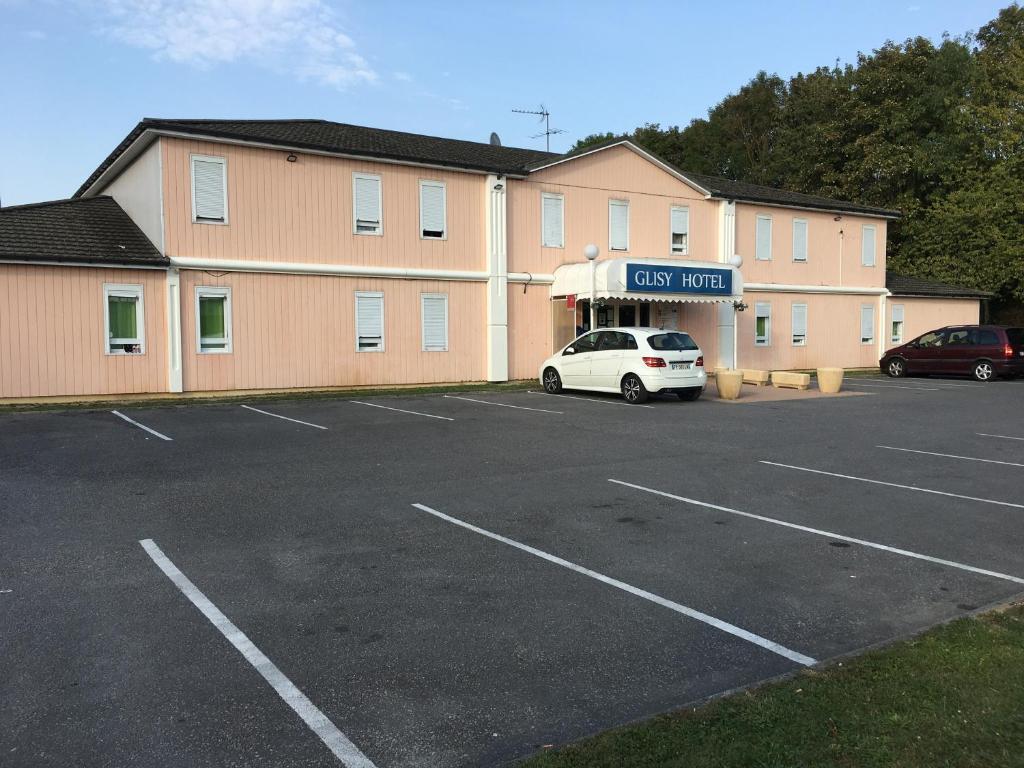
x=366, y=206
x=369, y=322
x=799, y=240
x=618, y=225
x=552, y=212
x=867, y=323
x=680, y=226
x=435, y=322
x=867, y=247
x=897, y=313
x=763, y=246
x=800, y=320
x=208, y=189
x=432, y=209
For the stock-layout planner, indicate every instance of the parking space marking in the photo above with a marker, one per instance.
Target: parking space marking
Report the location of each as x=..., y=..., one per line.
x=402, y=410
x=934, y=383
x=142, y=426
x=951, y=456
x=894, y=485
x=502, y=405
x=829, y=534
x=589, y=399
x=343, y=749
x=1001, y=437
x=724, y=626
x=891, y=386
x=279, y=416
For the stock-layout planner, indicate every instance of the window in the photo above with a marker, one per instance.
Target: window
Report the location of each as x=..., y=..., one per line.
x=213, y=319
x=615, y=341
x=209, y=190
x=799, y=329
x=432, y=210
x=672, y=342
x=618, y=225
x=867, y=324
x=985, y=337
x=369, y=321
x=553, y=222
x=762, y=324
x=961, y=337
x=124, y=319
x=587, y=343
x=799, y=239
x=897, y=322
x=932, y=340
x=434, y=315
x=366, y=204
x=867, y=246
x=680, y=221
x=763, y=244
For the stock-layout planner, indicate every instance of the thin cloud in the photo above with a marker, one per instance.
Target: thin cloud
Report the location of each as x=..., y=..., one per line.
x=303, y=37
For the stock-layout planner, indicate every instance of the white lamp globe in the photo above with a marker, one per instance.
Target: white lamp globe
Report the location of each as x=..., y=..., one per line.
x=736, y=260
x=591, y=252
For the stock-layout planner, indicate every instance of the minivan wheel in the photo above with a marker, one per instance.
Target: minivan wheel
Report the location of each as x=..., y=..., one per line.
x=689, y=395
x=633, y=390
x=896, y=368
x=983, y=370
x=552, y=381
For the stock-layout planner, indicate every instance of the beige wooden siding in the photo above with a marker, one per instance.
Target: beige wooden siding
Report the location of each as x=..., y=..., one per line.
x=923, y=315
x=529, y=329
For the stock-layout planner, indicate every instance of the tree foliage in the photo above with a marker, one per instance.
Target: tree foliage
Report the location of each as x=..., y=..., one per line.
x=935, y=130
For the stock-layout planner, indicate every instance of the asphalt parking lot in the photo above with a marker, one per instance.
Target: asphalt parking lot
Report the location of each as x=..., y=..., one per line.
x=461, y=580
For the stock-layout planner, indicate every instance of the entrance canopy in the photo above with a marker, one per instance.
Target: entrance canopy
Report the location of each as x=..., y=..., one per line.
x=651, y=280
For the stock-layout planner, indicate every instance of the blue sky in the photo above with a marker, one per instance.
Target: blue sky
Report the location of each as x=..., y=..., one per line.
x=78, y=74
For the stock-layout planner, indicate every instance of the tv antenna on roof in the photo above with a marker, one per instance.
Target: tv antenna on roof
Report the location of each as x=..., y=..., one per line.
x=545, y=117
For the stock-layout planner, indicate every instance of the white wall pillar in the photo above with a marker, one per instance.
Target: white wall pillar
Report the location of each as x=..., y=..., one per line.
x=497, y=278
x=173, y=331
x=727, y=352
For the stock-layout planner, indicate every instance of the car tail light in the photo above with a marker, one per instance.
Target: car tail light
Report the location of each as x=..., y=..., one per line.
x=654, y=362
x=1007, y=351
x=700, y=362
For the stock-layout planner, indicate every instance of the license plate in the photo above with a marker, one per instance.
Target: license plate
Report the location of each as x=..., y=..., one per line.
x=680, y=366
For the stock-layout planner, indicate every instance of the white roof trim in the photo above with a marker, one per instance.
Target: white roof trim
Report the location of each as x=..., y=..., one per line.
x=610, y=280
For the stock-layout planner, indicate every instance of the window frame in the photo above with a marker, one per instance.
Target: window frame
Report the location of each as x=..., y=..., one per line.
x=383, y=318
x=860, y=329
x=612, y=201
x=766, y=340
x=893, y=336
x=125, y=290
x=423, y=324
x=792, y=334
x=223, y=162
x=444, y=207
x=672, y=232
x=543, y=223
x=807, y=238
x=864, y=240
x=214, y=291
x=356, y=175
x=771, y=232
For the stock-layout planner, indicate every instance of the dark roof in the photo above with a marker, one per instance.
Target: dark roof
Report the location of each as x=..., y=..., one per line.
x=341, y=138
x=95, y=230
x=902, y=285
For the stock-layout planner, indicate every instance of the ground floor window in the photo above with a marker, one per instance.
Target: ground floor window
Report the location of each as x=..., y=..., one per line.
x=213, y=319
x=434, y=316
x=124, y=319
x=867, y=324
x=762, y=324
x=369, y=321
x=799, y=325
x=897, y=323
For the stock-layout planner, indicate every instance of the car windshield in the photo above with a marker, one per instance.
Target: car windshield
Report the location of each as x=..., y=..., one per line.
x=671, y=342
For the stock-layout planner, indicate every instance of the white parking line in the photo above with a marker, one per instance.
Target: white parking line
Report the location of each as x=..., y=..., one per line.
x=502, y=405
x=1001, y=437
x=932, y=383
x=951, y=456
x=142, y=426
x=731, y=629
x=343, y=749
x=829, y=534
x=589, y=399
x=895, y=485
x=402, y=410
x=890, y=386
x=279, y=416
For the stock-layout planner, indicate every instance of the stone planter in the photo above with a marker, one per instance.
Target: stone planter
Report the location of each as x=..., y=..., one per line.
x=729, y=384
x=830, y=380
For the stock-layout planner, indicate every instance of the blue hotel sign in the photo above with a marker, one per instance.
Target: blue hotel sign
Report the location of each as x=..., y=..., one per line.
x=651, y=278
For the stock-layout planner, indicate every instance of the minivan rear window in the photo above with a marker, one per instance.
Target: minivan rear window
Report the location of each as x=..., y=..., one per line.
x=1016, y=336
x=671, y=342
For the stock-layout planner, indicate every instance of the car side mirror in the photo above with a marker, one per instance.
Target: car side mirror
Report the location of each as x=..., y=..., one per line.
x=569, y=351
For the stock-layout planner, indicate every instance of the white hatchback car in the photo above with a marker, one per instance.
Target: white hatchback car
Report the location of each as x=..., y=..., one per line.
x=633, y=361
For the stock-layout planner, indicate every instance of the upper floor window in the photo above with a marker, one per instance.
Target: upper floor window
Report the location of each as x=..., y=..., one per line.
x=366, y=204
x=552, y=220
x=897, y=323
x=124, y=319
x=213, y=319
x=432, y=210
x=763, y=243
x=680, y=224
x=867, y=245
x=618, y=225
x=209, y=190
x=799, y=239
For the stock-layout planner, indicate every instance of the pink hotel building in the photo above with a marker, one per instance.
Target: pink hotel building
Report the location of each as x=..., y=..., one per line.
x=208, y=255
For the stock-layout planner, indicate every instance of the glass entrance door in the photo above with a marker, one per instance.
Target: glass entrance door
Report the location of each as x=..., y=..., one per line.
x=627, y=315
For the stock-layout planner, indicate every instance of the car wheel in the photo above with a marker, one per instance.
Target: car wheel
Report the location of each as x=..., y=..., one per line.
x=983, y=370
x=633, y=390
x=896, y=368
x=689, y=395
x=552, y=381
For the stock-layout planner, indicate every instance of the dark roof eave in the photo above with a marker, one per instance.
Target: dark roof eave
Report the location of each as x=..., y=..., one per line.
x=129, y=261
x=839, y=207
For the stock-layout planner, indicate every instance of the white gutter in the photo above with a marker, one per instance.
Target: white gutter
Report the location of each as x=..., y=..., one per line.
x=841, y=289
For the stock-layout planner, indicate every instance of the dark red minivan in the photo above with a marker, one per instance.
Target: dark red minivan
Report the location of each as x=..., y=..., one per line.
x=981, y=351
